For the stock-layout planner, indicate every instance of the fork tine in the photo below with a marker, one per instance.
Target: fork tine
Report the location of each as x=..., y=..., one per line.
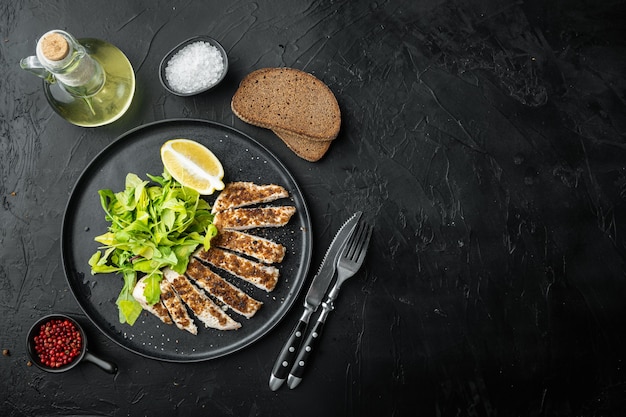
x=363, y=244
x=352, y=242
x=358, y=240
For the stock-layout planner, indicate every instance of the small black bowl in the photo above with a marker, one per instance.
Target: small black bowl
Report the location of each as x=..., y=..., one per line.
x=84, y=354
x=180, y=46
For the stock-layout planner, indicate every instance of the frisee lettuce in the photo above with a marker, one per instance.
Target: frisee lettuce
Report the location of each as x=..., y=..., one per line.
x=154, y=224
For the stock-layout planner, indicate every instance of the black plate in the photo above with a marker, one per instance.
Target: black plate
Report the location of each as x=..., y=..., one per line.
x=138, y=151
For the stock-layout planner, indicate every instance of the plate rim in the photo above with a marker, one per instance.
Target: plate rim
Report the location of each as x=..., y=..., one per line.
x=308, y=239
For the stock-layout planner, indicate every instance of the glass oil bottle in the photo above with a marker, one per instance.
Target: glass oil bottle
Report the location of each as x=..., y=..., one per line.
x=89, y=82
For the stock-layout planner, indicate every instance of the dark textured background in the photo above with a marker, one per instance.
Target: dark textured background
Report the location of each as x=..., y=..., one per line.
x=485, y=139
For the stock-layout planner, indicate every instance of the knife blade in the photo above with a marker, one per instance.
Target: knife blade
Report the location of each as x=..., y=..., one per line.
x=321, y=280
x=319, y=286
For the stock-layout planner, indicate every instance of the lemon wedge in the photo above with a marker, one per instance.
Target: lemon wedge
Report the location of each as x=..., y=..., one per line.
x=193, y=165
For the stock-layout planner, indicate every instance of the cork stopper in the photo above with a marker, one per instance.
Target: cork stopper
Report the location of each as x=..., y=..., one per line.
x=54, y=47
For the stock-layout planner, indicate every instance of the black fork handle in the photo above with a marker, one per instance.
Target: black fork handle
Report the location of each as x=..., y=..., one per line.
x=308, y=347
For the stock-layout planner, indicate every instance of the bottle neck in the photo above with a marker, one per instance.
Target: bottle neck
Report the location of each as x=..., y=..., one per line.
x=82, y=75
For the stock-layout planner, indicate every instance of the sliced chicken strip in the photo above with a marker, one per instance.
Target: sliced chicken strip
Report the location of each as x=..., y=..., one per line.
x=157, y=309
x=249, y=218
x=239, y=194
x=202, y=306
x=218, y=287
x=256, y=247
x=176, y=308
x=261, y=275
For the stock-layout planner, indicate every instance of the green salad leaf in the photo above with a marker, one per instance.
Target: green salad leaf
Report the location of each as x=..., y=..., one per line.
x=154, y=224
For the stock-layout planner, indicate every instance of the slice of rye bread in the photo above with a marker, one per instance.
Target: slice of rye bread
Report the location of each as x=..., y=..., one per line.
x=310, y=150
x=289, y=100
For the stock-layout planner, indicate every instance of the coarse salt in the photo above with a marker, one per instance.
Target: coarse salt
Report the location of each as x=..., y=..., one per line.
x=195, y=67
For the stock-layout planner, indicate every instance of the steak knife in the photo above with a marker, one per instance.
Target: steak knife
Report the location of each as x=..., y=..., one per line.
x=319, y=286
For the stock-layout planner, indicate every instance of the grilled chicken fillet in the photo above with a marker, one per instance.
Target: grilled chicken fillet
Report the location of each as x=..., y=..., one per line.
x=257, y=247
x=176, y=308
x=250, y=218
x=258, y=274
x=157, y=309
x=239, y=194
x=202, y=306
x=218, y=287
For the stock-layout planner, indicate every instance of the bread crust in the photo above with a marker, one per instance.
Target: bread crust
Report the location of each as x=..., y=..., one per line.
x=306, y=149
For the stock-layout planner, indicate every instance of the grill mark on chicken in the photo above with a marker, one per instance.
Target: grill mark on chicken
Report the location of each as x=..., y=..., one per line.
x=158, y=309
x=202, y=306
x=221, y=289
x=239, y=194
x=249, y=218
x=176, y=308
x=257, y=247
x=258, y=274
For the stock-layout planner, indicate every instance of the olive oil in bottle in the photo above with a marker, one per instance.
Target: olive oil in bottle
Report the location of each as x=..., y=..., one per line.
x=89, y=82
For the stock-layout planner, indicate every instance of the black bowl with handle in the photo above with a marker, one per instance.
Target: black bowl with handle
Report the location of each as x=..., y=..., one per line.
x=83, y=355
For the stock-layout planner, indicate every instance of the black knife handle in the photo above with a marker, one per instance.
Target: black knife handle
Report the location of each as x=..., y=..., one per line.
x=304, y=356
x=287, y=355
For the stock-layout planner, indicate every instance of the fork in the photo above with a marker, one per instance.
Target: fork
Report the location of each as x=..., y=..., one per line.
x=348, y=264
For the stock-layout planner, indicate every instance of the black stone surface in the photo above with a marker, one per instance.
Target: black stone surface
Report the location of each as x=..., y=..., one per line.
x=484, y=139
